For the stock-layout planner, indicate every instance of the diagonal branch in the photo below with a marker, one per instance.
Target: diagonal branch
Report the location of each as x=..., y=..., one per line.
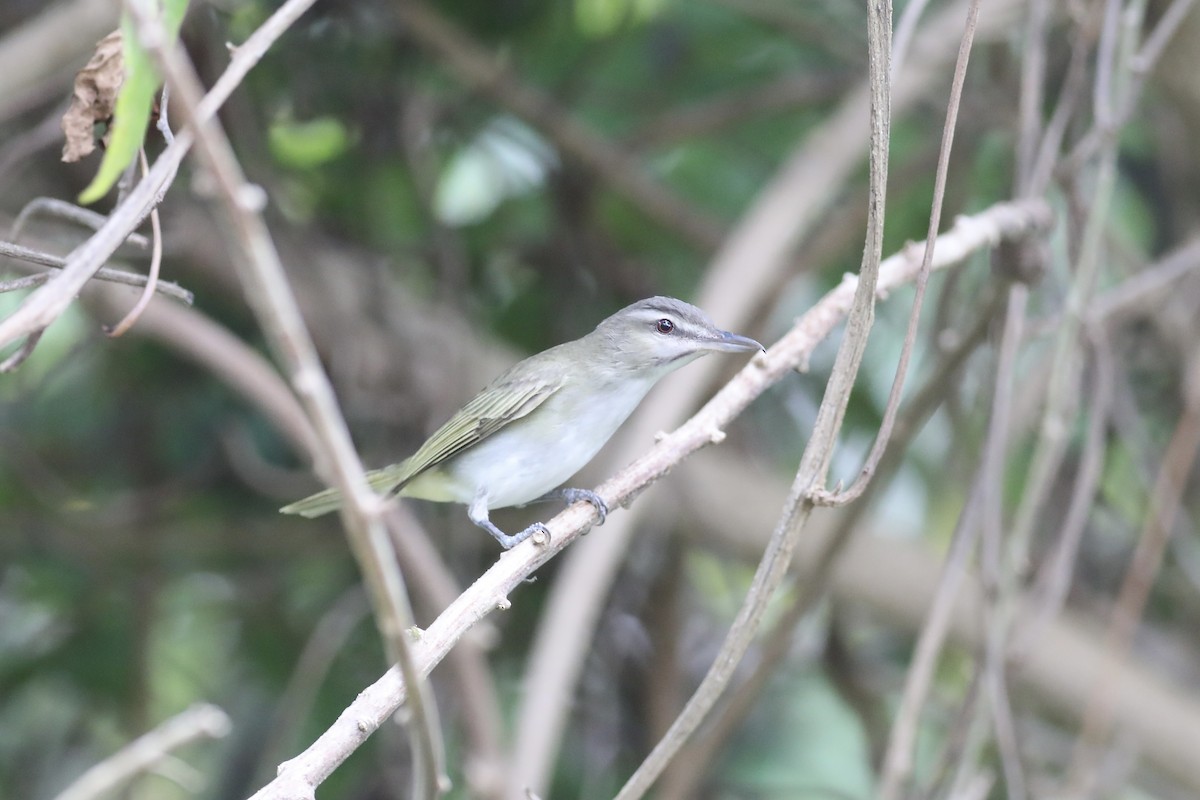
x=45, y=305
x=299, y=776
x=202, y=721
x=814, y=462
x=757, y=256
x=274, y=303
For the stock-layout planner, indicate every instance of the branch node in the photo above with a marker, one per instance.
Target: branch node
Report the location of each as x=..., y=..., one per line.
x=716, y=435
x=503, y=603
x=829, y=497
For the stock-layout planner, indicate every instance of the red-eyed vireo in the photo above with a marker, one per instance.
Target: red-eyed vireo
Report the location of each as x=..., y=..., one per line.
x=545, y=418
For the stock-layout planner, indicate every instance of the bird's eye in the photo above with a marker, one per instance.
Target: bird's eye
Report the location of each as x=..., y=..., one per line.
x=664, y=326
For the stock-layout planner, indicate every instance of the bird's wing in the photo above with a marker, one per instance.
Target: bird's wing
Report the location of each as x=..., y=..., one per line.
x=492, y=409
x=496, y=406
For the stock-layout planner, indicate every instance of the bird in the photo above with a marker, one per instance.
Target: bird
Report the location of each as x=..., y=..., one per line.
x=542, y=420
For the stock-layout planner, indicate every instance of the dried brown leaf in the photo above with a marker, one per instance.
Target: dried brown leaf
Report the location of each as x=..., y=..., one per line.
x=95, y=94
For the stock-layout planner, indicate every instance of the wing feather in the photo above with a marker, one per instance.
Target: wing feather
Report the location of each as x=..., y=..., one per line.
x=493, y=408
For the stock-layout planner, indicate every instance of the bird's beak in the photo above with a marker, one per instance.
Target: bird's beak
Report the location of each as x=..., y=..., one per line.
x=733, y=343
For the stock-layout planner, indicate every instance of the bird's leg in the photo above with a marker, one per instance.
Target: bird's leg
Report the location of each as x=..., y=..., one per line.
x=570, y=496
x=478, y=513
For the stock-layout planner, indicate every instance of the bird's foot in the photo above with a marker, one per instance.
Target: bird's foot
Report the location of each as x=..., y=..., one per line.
x=575, y=495
x=539, y=532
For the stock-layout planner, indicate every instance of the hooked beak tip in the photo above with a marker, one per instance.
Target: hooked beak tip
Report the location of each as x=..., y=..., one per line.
x=735, y=343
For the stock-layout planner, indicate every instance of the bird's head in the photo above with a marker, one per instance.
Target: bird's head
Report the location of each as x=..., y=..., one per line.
x=660, y=334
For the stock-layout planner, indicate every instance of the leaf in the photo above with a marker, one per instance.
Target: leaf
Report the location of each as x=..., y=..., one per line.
x=93, y=98
x=308, y=144
x=134, y=102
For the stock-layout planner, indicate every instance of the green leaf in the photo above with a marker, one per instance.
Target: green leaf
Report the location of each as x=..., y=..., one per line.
x=132, y=112
x=303, y=145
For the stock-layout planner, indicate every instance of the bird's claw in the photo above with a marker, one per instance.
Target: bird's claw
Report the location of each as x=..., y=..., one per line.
x=575, y=495
x=537, y=531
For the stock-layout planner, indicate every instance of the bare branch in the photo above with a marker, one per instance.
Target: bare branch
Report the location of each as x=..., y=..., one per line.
x=935, y=216
x=1055, y=577
x=271, y=296
x=1177, y=464
x=376, y=703
x=897, y=764
x=814, y=462
x=198, y=722
x=104, y=273
x=23, y=352
x=44, y=305
x=60, y=209
x=757, y=256
x=152, y=278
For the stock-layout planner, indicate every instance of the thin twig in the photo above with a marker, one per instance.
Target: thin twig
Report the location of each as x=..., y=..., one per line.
x=103, y=274
x=1062, y=392
x=1147, y=559
x=1033, y=79
x=198, y=722
x=989, y=704
x=22, y=353
x=1070, y=96
x=271, y=297
x=1141, y=67
x=759, y=255
x=28, y=282
x=814, y=463
x=736, y=107
x=376, y=703
x=905, y=29
x=1147, y=287
x=152, y=277
x=935, y=217
x=43, y=306
x=818, y=570
x=897, y=763
x=61, y=209
x=1054, y=579
x=324, y=644
x=478, y=703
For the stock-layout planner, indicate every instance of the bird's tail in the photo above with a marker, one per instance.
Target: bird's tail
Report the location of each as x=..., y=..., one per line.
x=321, y=503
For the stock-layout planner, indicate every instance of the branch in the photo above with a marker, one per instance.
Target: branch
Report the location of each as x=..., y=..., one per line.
x=814, y=463
x=275, y=305
x=935, y=217
x=104, y=273
x=202, y=721
x=45, y=305
x=61, y=209
x=819, y=561
x=155, y=262
x=1144, y=565
x=377, y=702
x=757, y=256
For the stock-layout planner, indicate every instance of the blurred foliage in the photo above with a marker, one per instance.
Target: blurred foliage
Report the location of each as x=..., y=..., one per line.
x=143, y=567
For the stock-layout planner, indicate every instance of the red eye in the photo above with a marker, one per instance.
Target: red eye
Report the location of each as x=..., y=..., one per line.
x=664, y=326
